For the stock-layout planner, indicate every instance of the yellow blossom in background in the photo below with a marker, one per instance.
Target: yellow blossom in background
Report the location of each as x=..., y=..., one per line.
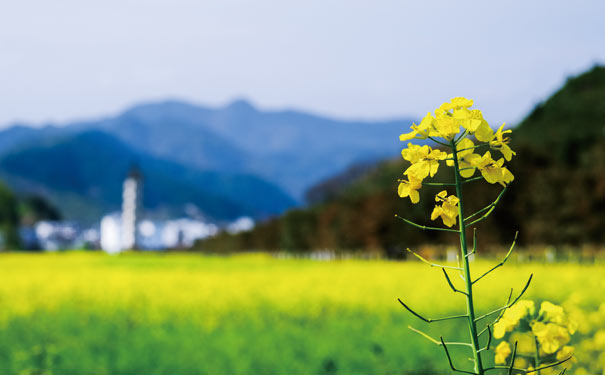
x=503, y=326
x=542, y=337
x=512, y=316
x=521, y=362
x=410, y=189
x=550, y=336
x=448, y=210
x=523, y=308
x=565, y=352
x=572, y=325
x=526, y=344
x=502, y=352
x=500, y=142
x=553, y=313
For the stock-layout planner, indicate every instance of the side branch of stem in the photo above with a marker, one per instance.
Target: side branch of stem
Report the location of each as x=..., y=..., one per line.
x=447, y=278
x=424, y=260
x=438, y=184
x=429, y=320
x=449, y=359
x=510, y=251
x=471, y=179
x=434, y=341
x=423, y=227
x=439, y=142
x=525, y=371
x=474, y=243
x=489, y=208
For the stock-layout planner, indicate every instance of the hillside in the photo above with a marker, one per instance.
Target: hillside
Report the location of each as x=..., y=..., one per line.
x=82, y=174
x=558, y=196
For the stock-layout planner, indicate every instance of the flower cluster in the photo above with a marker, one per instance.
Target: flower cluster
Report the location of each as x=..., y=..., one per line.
x=542, y=337
x=448, y=119
x=452, y=124
x=448, y=211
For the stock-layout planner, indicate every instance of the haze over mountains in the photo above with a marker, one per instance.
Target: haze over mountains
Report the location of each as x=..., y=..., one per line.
x=220, y=162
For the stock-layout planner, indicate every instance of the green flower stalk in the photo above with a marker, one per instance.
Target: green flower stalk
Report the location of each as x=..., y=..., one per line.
x=461, y=132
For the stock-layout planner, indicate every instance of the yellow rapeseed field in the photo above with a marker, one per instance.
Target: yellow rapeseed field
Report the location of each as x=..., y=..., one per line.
x=92, y=313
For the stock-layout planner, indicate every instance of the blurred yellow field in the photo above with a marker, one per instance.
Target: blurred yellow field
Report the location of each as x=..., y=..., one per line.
x=250, y=313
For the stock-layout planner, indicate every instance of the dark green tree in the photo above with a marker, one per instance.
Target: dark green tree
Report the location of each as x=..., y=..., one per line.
x=9, y=218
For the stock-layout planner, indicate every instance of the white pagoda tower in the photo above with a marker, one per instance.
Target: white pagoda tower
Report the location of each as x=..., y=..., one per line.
x=131, y=202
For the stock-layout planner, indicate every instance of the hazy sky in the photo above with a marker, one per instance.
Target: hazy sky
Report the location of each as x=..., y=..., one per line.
x=70, y=59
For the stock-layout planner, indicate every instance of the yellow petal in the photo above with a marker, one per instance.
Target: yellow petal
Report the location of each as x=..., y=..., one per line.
x=419, y=170
x=414, y=196
x=483, y=132
x=462, y=102
x=448, y=220
x=436, y=212
x=507, y=152
x=507, y=177
x=441, y=196
x=466, y=147
x=491, y=175
x=408, y=136
x=434, y=165
x=467, y=172
x=403, y=189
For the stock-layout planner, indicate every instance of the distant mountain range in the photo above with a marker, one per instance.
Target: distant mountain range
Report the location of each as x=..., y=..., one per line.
x=556, y=198
x=220, y=162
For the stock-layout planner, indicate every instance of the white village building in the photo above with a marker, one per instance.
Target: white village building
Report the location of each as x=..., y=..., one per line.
x=125, y=230
x=119, y=230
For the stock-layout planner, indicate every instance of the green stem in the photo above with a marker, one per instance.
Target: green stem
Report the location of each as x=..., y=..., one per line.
x=438, y=142
x=537, y=356
x=470, y=307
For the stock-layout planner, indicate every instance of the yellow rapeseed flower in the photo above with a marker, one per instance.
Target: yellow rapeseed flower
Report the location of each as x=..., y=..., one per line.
x=512, y=316
x=425, y=161
x=550, y=336
x=414, y=153
x=525, y=342
x=445, y=125
x=410, y=189
x=456, y=103
x=565, y=352
x=493, y=171
x=450, y=117
x=474, y=123
x=553, y=313
x=466, y=158
x=500, y=142
x=441, y=124
x=421, y=131
x=448, y=210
